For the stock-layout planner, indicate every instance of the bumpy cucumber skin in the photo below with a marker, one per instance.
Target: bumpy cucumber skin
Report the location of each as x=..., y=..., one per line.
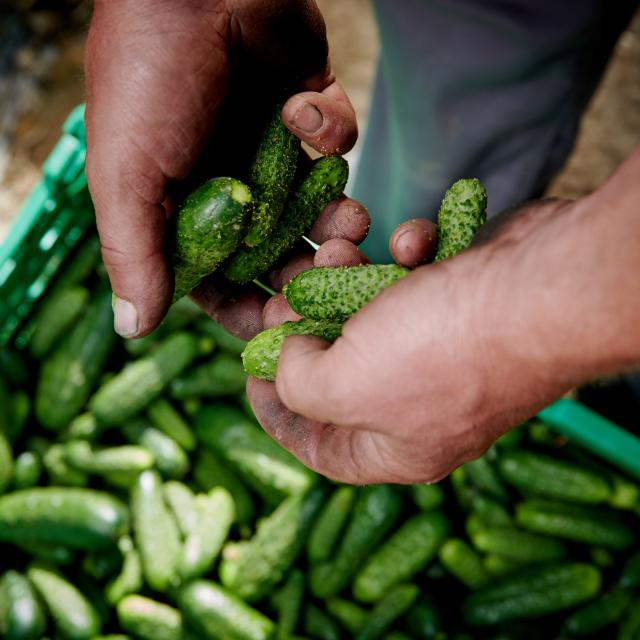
x=131, y=459
x=590, y=525
x=602, y=612
x=461, y=214
x=156, y=532
x=271, y=177
x=330, y=293
x=76, y=518
x=392, y=607
x=223, y=375
x=209, y=227
x=405, y=553
x=150, y=620
x=325, y=182
x=536, y=474
x=74, y=616
x=464, y=563
x=518, y=545
x=68, y=376
x=214, y=613
x=182, y=502
x=143, y=380
x=260, y=357
x=533, y=594
x=21, y=616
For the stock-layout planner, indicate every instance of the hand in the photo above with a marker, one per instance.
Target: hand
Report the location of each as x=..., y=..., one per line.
x=432, y=371
x=174, y=88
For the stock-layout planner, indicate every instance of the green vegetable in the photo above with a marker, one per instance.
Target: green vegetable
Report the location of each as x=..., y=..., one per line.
x=6, y=462
x=390, y=608
x=483, y=477
x=630, y=578
x=150, y=620
x=130, y=579
x=423, y=619
x=350, y=615
x=125, y=459
x=427, y=496
x=49, y=554
x=630, y=627
x=317, y=624
x=182, y=502
x=59, y=471
x=518, y=545
x=490, y=511
x=21, y=615
x=599, y=614
x=27, y=470
x=165, y=417
x=223, y=375
x=288, y=601
x=464, y=563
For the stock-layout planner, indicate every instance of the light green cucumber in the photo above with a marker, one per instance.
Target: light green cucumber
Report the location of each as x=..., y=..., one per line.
x=350, y=615
x=130, y=579
x=165, y=417
x=182, y=502
x=27, y=470
x=521, y=546
x=21, y=614
x=427, y=496
x=148, y=619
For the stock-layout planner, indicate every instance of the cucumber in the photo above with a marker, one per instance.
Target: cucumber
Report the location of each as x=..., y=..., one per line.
x=82, y=427
x=336, y=293
x=423, y=620
x=260, y=358
x=590, y=525
x=141, y=381
x=210, y=224
x=223, y=339
x=324, y=182
x=129, y=580
x=271, y=177
x=81, y=263
x=7, y=413
x=535, y=474
x=57, y=555
x=103, y=564
x=259, y=564
x=202, y=546
x=518, y=545
x=59, y=471
x=27, y=470
x=393, y=606
x=214, y=613
x=123, y=459
x=376, y=510
x=288, y=601
x=270, y=470
x=156, y=532
x=490, y=511
x=499, y=566
x=606, y=610
x=630, y=626
x=350, y=615
x=533, y=594
x=147, y=619
x=68, y=376
x=317, y=624
x=484, y=477
x=464, y=563
x=223, y=375
x=406, y=552
x=427, y=496
x=73, y=615
x=6, y=462
x=462, y=212
x=165, y=417
x=182, y=502
x=330, y=524
x=21, y=413
x=76, y=518
x=21, y=615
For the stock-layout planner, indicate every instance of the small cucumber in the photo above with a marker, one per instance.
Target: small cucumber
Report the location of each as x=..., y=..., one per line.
x=124, y=459
x=147, y=619
x=223, y=375
x=130, y=579
x=499, y=566
x=182, y=502
x=533, y=594
x=350, y=615
x=165, y=417
x=59, y=471
x=27, y=470
x=210, y=225
x=484, y=477
x=288, y=601
x=324, y=182
x=318, y=624
x=21, y=615
x=260, y=358
x=82, y=427
x=216, y=613
x=490, y=511
x=606, y=610
x=427, y=496
x=393, y=606
x=77, y=518
x=464, y=563
x=518, y=545
x=405, y=553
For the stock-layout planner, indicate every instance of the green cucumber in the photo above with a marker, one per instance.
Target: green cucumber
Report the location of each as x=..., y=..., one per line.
x=77, y=518
x=260, y=358
x=21, y=615
x=484, y=477
x=6, y=462
x=464, y=563
x=103, y=564
x=405, y=553
x=59, y=471
x=82, y=427
x=156, y=532
x=69, y=375
x=58, y=555
x=27, y=470
x=130, y=579
x=423, y=619
x=210, y=225
x=324, y=182
x=141, y=381
x=606, y=610
x=350, y=615
x=462, y=212
x=271, y=177
x=518, y=545
x=182, y=502
x=21, y=412
x=490, y=511
x=216, y=613
x=393, y=606
x=123, y=459
x=165, y=417
x=427, y=496
x=533, y=594
x=73, y=615
x=318, y=624
x=499, y=566
x=288, y=601
x=223, y=339
x=147, y=619
x=223, y=375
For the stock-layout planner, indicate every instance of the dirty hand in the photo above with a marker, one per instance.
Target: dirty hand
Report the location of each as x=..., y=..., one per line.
x=173, y=88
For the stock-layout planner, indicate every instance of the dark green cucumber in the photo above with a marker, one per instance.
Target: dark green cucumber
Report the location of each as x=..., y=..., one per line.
x=630, y=627
x=27, y=470
x=77, y=518
x=375, y=512
x=318, y=624
x=270, y=470
x=535, y=474
x=464, y=563
x=271, y=177
x=490, y=511
x=350, y=615
x=69, y=375
x=393, y=606
x=462, y=212
x=288, y=601
x=58, y=555
x=606, y=610
x=130, y=579
x=156, y=532
x=423, y=619
x=21, y=615
x=590, y=525
x=141, y=381
x=15, y=367
x=223, y=375
x=223, y=339
x=330, y=293
x=499, y=566
x=324, y=182
x=630, y=578
x=210, y=225
x=405, y=553
x=104, y=563
x=7, y=415
x=533, y=594
x=518, y=545
x=21, y=412
x=216, y=613
x=259, y=564
x=73, y=614
x=147, y=619
x=329, y=524
x=165, y=417
x=260, y=358
x=427, y=496
x=6, y=462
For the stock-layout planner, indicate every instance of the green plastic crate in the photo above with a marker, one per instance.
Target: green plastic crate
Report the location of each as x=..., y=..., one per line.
x=59, y=213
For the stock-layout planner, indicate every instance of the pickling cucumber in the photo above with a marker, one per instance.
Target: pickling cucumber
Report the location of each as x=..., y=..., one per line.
x=150, y=620
x=27, y=470
x=395, y=604
x=182, y=502
x=165, y=417
x=288, y=600
x=599, y=614
x=6, y=462
x=427, y=496
x=518, y=545
x=21, y=614
x=464, y=563
x=350, y=615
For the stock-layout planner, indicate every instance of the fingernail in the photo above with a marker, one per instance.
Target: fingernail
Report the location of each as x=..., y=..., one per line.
x=125, y=320
x=307, y=118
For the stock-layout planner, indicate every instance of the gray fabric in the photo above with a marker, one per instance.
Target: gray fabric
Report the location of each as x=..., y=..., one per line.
x=487, y=88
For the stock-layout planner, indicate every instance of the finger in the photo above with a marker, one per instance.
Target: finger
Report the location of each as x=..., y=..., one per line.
x=291, y=269
x=325, y=120
x=344, y=218
x=414, y=242
x=276, y=311
x=339, y=253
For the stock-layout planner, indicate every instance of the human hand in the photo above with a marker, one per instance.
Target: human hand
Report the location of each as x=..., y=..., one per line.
x=174, y=92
